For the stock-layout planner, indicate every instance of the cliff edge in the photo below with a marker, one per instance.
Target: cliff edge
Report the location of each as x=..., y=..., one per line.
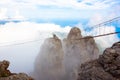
x=106, y=67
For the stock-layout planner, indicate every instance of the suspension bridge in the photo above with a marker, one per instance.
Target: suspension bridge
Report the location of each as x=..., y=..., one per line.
x=104, y=29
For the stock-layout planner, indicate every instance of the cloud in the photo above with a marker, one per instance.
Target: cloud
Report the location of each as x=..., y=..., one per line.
x=17, y=16
x=11, y=33
x=103, y=29
x=96, y=19
x=103, y=41
x=22, y=56
x=115, y=11
x=95, y=4
x=25, y=31
x=5, y=1
x=56, y=9
x=3, y=12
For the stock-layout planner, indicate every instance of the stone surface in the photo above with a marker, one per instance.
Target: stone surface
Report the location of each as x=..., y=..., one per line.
x=60, y=60
x=106, y=67
x=49, y=62
x=78, y=51
x=5, y=74
x=74, y=33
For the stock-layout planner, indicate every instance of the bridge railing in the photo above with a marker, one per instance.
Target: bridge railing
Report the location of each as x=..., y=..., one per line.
x=105, y=28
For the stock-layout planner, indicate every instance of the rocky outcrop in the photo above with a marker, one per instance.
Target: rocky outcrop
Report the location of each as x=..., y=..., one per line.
x=78, y=51
x=106, y=67
x=60, y=60
x=5, y=74
x=49, y=62
x=74, y=33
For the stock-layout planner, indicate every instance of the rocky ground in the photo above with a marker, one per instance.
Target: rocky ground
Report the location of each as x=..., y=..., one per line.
x=5, y=74
x=106, y=67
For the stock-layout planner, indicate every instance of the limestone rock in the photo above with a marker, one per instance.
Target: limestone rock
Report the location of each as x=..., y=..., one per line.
x=49, y=62
x=106, y=67
x=74, y=33
x=20, y=76
x=5, y=74
x=78, y=51
x=60, y=60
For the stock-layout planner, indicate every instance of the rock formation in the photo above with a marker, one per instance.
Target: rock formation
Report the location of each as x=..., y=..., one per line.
x=60, y=60
x=106, y=67
x=78, y=51
x=49, y=62
x=5, y=74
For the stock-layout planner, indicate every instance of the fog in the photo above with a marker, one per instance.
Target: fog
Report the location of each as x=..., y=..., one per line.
x=21, y=57
x=20, y=43
x=60, y=59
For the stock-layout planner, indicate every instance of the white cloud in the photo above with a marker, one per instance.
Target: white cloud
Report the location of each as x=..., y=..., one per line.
x=105, y=41
x=17, y=16
x=115, y=11
x=96, y=19
x=26, y=31
x=56, y=9
x=5, y=1
x=22, y=56
x=95, y=4
x=3, y=12
x=14, y=14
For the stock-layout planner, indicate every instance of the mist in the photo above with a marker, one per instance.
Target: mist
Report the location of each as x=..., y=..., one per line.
x=60, y=59
x=20, y=43
x=32, y=37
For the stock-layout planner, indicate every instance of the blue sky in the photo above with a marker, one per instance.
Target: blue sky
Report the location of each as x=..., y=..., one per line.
x=58, y=11
x=67, y=13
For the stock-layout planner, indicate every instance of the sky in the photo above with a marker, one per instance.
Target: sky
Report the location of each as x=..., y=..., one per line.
x=67, y=12
x=28, y=20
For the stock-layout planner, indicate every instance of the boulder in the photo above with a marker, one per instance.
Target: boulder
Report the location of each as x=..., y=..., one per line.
x=5, y=74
